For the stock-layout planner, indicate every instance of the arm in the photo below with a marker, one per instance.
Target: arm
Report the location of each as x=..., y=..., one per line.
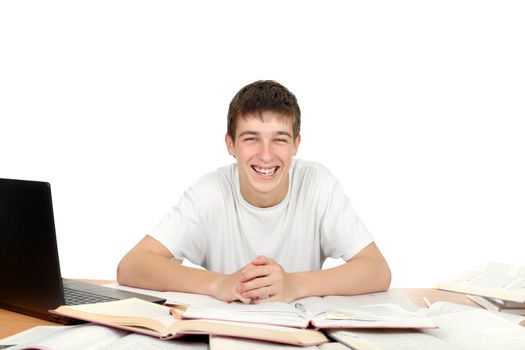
x=366, y=272
x=149, y=265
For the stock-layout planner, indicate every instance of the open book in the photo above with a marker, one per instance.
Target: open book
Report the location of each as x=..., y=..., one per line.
x=227, y=343
x=94, y=337
x=461, y=327
x=494, y=280
x=376, y=310
x=163, y=322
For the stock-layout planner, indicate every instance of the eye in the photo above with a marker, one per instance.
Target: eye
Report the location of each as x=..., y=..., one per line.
x=281, y=140
x=249, y=139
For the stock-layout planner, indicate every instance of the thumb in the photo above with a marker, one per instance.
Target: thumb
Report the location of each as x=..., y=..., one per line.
x=261, y=260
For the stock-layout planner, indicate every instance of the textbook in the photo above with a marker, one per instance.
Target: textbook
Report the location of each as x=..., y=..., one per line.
x=506, y=303
x=94, y=337
x=227, y=343
x=164, y=322
x=375, y=310
x=460, y=327
x=493, y=280
x=499, y=305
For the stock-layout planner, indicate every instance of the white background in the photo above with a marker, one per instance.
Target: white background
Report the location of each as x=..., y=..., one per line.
x=417, y=107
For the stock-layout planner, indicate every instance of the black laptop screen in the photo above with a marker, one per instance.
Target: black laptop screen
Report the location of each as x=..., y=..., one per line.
x=29, y=265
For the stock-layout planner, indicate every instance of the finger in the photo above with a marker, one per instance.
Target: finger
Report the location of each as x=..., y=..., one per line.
x=247, y=267
x=256, y=272
x=255, y=284
x=244, y=300
x=272, y=298
x=259, y=293
x=238, y=295
x=242, y=271
x=262, y=260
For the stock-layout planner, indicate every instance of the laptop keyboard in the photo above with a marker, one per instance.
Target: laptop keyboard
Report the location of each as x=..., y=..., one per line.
x=78, y=297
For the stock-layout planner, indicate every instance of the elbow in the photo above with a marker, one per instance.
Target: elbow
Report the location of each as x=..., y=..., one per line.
x=384, y=277
x=379, y=276
x=124, y=271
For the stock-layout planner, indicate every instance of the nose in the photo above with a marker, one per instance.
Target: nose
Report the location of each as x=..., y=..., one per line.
x=265, y=152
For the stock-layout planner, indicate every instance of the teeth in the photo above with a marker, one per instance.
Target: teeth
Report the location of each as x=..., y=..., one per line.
x=265, y=171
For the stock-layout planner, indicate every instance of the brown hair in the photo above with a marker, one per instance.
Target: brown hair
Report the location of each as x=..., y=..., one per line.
x=262, y=96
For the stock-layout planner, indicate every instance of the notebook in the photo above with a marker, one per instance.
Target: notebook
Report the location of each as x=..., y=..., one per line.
x=30, y=277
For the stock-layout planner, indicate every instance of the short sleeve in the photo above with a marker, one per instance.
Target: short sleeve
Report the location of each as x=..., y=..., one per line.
x=343, y=235
x=181, y=230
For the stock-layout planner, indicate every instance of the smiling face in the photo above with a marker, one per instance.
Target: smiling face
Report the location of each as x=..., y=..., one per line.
x=264, y=148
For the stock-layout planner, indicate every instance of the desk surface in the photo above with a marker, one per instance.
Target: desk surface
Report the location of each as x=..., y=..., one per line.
x=12, y=322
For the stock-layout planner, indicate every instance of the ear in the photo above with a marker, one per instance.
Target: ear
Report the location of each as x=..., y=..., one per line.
x=296, y=142
x=229, y=145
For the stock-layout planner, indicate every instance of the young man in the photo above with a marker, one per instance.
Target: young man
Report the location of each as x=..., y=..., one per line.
x=261, y=227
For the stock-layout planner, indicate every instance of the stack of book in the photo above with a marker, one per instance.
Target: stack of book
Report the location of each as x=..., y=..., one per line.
x=500, y=305
x=494, y=286
x=297, y=323
x=460, y=327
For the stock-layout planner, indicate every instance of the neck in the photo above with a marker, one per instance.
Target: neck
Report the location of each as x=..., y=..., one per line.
x=264, y=199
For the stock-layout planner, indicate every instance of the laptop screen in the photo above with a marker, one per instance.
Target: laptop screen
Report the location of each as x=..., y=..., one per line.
x=29, y=264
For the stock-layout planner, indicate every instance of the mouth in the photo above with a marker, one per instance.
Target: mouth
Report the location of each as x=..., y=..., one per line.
x=264, y=171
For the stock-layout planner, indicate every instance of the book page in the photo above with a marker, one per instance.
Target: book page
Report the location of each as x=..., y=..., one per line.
x=93, y=337
x=444, y=308
x=461, y=327
x=388, y=339
x=379, y=306
x=276, y=313
x=385, y=309
x=471, y=329
x=478, y=329
x=30, y=334
x=439, y=308
x=227, y=343
x=172, y=298
x=137, y=315
x=279, y=334
x=392, y=296
x=494, y=280
x=85, y=336
x=135, y=341
x=131, y=308
x=372, y=316
x=313, y=306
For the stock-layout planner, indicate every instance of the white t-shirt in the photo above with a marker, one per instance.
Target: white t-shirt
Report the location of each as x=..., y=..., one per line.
x=214, y=227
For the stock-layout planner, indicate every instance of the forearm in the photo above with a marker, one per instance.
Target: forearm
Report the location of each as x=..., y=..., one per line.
x=357, y=276
x=146, y=269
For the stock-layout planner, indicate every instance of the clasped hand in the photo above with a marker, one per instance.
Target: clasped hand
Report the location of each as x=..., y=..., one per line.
x=262, y=280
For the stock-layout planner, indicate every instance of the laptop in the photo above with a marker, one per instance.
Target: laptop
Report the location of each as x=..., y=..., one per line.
x=30, y=279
